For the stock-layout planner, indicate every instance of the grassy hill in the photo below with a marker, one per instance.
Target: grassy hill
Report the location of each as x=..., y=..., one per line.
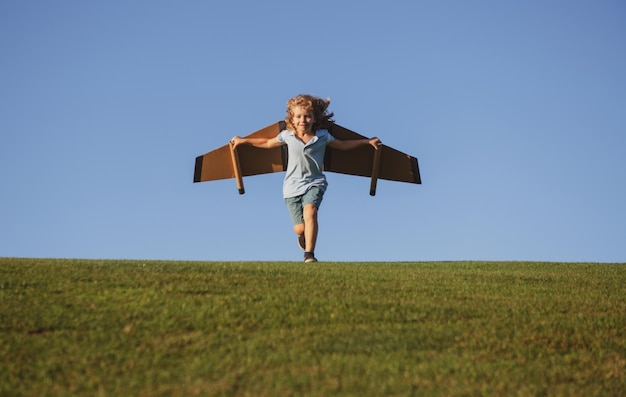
x=148, y=328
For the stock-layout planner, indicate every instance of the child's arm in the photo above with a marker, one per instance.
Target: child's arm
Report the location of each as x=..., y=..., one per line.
x=352, y=144
x=264, y=143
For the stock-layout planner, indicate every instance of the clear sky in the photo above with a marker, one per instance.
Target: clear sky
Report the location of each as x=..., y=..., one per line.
x=516, y=111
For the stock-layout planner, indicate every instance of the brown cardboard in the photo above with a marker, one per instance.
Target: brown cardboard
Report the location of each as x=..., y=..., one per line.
x=384, y=163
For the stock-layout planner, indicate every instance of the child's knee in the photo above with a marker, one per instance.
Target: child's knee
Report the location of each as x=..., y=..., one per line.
x=299, y=229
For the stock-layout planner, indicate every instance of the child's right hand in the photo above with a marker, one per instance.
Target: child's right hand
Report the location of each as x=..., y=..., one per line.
x=236, y=141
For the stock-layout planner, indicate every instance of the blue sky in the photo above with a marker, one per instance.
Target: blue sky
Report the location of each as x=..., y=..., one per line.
x=515, y=110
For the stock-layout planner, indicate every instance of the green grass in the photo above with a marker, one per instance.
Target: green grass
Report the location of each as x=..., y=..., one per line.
x=133, y=328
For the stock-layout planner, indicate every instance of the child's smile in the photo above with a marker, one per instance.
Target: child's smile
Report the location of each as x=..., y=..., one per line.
x=303, y=120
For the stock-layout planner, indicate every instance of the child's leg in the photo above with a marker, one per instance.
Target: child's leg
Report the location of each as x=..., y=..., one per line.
x=310, y=204
x=310, y=226
x=303, y=211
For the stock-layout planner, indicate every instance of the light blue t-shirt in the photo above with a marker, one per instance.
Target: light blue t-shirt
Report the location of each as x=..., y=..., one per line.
x=304, y=168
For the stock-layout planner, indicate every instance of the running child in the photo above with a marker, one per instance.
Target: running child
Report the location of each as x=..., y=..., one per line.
x=306, y=137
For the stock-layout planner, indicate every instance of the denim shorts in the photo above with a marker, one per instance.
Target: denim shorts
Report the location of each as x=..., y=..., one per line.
x=295, y=205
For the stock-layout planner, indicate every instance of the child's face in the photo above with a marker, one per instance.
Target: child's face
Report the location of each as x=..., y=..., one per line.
x=302, y=119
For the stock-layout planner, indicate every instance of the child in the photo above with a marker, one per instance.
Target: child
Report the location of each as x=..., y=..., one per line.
x=306, y=138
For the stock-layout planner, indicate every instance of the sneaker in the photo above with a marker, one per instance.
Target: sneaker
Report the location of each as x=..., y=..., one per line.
x=309, y=260
x=301, y=242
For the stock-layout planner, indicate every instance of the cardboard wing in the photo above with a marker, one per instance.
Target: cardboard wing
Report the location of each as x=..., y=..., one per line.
x=224, y=162
x=384, y=163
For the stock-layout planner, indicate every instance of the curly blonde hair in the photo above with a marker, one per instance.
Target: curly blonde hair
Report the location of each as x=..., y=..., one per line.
x=322, y=119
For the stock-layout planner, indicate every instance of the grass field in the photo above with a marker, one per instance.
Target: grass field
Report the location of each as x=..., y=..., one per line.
x=133, y=328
